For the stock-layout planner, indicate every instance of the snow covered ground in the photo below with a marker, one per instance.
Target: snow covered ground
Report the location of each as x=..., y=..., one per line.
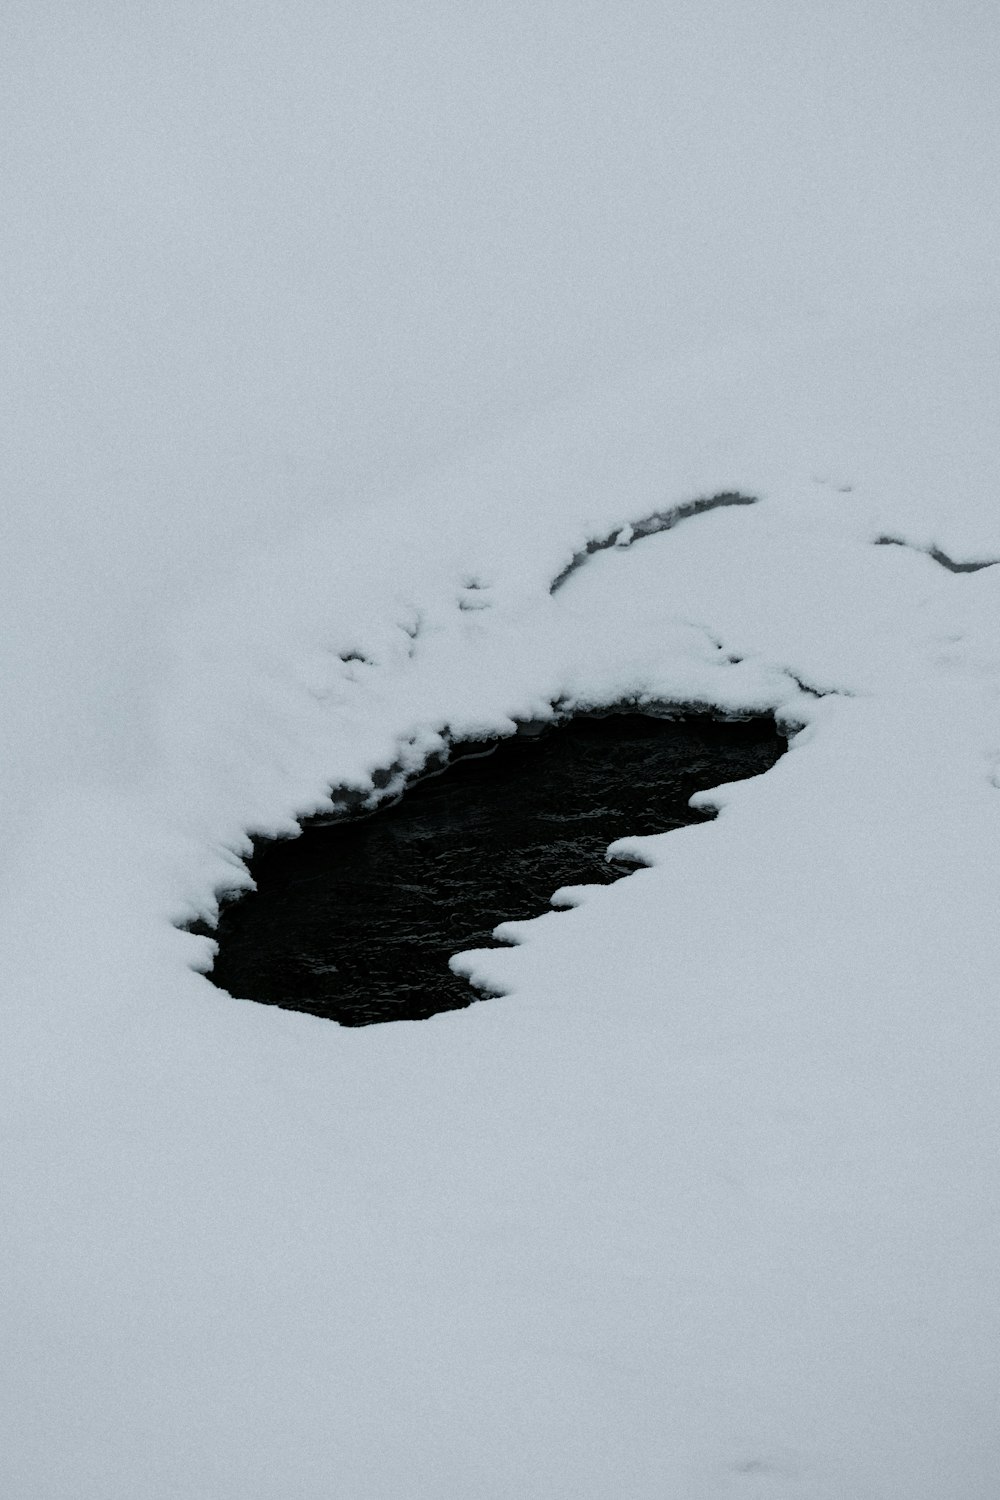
x=335, y=338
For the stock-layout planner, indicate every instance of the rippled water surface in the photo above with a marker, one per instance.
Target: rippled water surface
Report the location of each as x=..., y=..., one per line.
x=356, y=920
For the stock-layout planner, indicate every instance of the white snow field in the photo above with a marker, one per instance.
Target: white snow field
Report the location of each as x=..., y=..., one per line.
x=334, y=335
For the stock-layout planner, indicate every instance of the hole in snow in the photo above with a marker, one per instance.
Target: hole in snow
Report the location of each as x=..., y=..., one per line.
x=356, y=920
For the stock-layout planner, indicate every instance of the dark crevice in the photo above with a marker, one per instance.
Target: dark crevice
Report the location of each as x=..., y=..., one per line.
x=813, y=692
x=356, y=921
x=938, y=556
x=735, y=659
x=636, y=531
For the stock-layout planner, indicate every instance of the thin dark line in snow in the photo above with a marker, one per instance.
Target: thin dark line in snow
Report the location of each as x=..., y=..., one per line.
x=635, y=531
x=938, y=556
x=734, y=659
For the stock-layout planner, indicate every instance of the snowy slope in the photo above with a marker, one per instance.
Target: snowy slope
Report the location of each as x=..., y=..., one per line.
x=705, y=1205
x=704, y=1202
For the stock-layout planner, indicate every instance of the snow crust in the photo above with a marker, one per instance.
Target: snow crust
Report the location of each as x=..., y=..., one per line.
x=704, y=1203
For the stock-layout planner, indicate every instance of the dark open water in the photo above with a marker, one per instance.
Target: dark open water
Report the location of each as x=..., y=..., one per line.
x=356, y=920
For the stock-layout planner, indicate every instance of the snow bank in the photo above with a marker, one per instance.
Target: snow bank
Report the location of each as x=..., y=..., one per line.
x=702, y=1205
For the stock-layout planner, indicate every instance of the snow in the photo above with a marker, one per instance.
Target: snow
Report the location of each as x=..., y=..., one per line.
x=333, y=341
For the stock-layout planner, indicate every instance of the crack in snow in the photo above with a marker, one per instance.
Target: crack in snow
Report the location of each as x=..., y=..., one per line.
x=636, y=531
x=938, y=556
x=734, y=659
